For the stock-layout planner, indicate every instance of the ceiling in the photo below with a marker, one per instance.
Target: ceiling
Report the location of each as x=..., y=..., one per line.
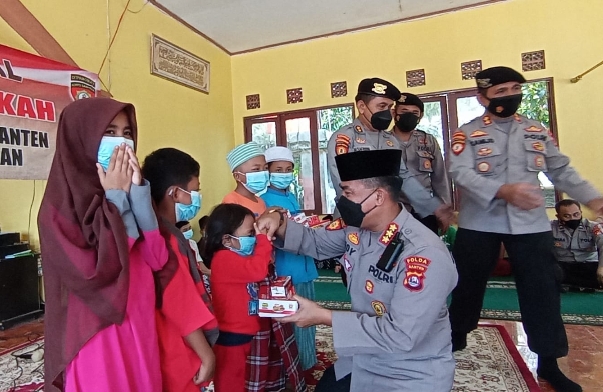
x=245, y=25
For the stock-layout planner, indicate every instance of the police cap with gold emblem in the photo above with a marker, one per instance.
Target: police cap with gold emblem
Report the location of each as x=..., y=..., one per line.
x=410, y=99
x=360, y=165
x=379, y=88
x=497, y=75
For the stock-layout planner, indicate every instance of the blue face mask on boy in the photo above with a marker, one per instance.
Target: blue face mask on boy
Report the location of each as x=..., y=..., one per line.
x=186, y=212
x=256, y=181
x=107, y=146
x=188, y=234
x=247, y=245
x=281, y=180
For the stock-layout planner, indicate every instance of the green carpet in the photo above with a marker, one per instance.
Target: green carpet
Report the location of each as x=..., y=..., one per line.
x=500, y=301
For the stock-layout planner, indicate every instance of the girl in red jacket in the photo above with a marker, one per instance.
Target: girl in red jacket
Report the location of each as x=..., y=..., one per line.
x=239, y=256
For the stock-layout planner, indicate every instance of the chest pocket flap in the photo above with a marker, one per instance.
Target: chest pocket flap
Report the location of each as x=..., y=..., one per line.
x=487, y=157
x=425, y=160
x=535, y=155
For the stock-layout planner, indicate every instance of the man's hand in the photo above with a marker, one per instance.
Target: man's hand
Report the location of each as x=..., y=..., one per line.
x=206, y=371
x=308, y=314
x=445, y=215
x=596, y=205
x=269, y=223
x=522, y=195
x=600, y=276
x=119, y=173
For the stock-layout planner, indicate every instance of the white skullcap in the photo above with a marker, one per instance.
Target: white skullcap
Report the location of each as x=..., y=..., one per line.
x=278, y=153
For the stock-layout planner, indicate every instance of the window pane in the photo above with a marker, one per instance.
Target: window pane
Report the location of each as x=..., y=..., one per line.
x=264, y=134
x=468, y=108
x=329, y=121
x=432, y=122
x=298, y=141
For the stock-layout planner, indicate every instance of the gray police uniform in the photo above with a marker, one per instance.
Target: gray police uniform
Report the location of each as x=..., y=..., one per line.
x=585, y=244
x=579, y=252
x=355, y=137
x=397, y=336
x=424, y=160
x=486, y=154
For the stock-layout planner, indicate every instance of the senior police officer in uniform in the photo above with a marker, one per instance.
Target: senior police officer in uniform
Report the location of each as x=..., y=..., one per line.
x=578, y=246
x=495, y=163
x=368, y=131
x=421, y=153
x=397, y=335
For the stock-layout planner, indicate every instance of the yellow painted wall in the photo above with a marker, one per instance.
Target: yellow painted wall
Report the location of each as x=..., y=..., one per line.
x=168, y=114
x=571, y=33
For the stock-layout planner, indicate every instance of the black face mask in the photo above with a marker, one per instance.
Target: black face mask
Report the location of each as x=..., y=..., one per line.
x=407, y=122
x=505, y=106
x=572, y=223
x=351, y=212
x=380, y=120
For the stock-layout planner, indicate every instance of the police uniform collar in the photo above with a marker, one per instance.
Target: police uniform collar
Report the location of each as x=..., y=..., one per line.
x=394, y=227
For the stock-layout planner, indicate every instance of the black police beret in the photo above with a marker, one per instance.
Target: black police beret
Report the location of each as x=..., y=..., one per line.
x=368, y=164
x=379, y=88
x=497, y=75
x=411, y=99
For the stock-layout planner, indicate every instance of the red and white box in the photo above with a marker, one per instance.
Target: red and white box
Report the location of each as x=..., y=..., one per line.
x=274, y=302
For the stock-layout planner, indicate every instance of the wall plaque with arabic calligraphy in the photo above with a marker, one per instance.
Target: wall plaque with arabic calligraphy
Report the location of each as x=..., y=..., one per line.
x=178, y=65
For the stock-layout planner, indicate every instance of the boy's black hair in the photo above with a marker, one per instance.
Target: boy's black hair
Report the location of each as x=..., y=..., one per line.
x=203, y=222
x=224, y=219
x=181, y=224
x=168, y=167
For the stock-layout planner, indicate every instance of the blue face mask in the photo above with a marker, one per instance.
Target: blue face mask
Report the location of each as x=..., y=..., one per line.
x=188, y=234
x=281, y=180
x=107, y=146
x=186, y=212
x=256, y=181
x=247, y=245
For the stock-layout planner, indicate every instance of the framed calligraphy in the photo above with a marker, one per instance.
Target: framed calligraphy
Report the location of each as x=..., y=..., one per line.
x=171, y=62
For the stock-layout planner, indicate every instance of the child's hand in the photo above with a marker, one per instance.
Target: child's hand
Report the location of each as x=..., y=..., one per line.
x=206, y=371
x=133, y=161
x=257, y=229
x=337, y=268
x=119, y=173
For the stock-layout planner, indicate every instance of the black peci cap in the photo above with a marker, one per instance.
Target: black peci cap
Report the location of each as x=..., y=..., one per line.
x=360, y=165
x=379, y=88
x=497, y=75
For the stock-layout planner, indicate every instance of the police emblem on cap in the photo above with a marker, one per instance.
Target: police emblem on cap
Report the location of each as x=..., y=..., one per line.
x=484, y=83
x=379, y=88
x=402, y=98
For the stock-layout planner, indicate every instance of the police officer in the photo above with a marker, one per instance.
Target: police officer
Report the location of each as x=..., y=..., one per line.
x=368, y=131
x=495, y=163
x=578, y=246
x=421, y=153
x=396, y=336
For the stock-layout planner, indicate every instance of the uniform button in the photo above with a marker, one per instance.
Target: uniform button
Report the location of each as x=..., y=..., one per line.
x=407, y=231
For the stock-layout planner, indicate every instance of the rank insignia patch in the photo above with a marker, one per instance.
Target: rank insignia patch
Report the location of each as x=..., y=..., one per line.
x=478, y=133
x=427, y=164
x=360, y=140
x=337, y=224
x=369, y=287
x=379, y=308
x=416, y=266
x=487, y=120
x=353, y=238
x=359, y=129
x=483, y=167
x=484, y=151
x=539, y=161
x=389, y=233
x=389, y=143
x=533, y=129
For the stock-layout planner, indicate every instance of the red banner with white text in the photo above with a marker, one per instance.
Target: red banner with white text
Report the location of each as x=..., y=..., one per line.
x=33, y=92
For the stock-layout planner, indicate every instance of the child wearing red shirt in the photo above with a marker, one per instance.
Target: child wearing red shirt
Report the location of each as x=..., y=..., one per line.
x=239, y=256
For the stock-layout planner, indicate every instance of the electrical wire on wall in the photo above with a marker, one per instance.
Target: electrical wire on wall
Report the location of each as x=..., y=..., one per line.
x=112, y=39
x=33, y=198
